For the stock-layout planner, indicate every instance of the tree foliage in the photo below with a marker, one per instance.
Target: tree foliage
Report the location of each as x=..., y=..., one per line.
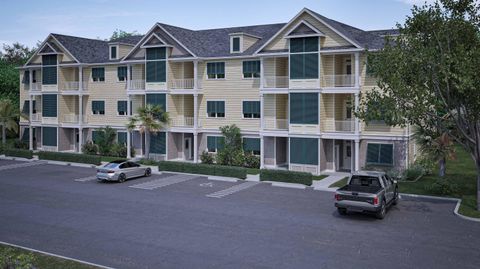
x=121, y=34
x=8, y=118
x=428, y=75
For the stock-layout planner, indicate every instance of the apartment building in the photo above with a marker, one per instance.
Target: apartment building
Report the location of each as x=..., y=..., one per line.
x=290, y=87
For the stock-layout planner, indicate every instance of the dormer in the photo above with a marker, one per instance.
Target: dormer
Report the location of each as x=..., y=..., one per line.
x=240, y=42
x=118, y=50
x=113, y=51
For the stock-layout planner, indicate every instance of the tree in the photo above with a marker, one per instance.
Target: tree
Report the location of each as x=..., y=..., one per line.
x=16, y=53
x=437, y=147
x=150, y=119
x=428, y=75
x=121, y=34
x=232, y=151
x=8, y=118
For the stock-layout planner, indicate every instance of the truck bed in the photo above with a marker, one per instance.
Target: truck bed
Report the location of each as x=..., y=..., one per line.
x=361, y=189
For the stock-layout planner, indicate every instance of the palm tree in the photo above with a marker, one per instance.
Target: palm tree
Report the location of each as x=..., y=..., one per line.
x=150, y=119
x=106, y=139
x=438, y=147
x=8, y=118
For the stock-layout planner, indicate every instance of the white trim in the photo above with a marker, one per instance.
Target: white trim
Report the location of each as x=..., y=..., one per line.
x=243, y=33
x=43, y=46
x=240, y=45
x=318, y=32
x=154, y=35
x=117, y=49
x=224, y=70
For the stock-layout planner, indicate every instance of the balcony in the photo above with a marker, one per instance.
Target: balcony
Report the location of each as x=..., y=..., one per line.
x=334, y=81
x=136, y=85
x=332, y=125
x=36, y=117
x=275, y=82
x=36, y=87
x=183, y=122
x=70, y=118
x=186, y=83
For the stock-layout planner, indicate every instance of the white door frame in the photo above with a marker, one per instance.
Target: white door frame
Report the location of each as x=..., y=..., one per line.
x=189, y=155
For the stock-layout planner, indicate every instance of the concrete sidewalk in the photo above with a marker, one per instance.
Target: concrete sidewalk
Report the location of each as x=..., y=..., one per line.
x=326, y=182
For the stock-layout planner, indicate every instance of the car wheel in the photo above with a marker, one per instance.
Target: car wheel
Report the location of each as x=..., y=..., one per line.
x=148, y=172
x=395, y=197
x=122, y=178
x=383, y=210
x=342, y=211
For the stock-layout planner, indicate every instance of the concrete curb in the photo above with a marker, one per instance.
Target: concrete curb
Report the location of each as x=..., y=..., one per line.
x=286, y=185
x=17, y=159
x=457, y=206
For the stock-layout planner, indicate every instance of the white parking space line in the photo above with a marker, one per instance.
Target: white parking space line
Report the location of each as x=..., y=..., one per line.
x=162, y=182
x=85, y=179
x=20, y=165
x=233, y=189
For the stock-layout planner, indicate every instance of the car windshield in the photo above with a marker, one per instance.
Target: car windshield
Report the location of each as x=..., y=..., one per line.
x=367, y=181
x=111, y=165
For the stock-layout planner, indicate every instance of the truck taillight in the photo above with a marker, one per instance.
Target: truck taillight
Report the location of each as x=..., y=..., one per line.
x=337, y=197
x=375, y=200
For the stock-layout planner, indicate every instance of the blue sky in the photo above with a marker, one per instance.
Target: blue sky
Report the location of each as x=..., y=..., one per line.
x=30, y=21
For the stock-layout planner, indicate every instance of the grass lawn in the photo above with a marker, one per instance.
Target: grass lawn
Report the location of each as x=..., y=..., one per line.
x=320, y=177
x=462, y=172
x=342, y=182
x=41, y=261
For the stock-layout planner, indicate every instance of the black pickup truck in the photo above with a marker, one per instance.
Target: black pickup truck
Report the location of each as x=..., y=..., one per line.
x=367, y=192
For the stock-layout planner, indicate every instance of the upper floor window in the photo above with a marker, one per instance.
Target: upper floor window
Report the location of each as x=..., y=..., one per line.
x=122, y=108
x=251, y=109
x=251, y=69
x=156, y=65
x=98, y=74
x=122, y=73
x=304, y=58
x=304, y=108
x=216, y=70
x=235, y=44
x=49, y=69
x=98, y=107
x=216, y=109
x=113, y=52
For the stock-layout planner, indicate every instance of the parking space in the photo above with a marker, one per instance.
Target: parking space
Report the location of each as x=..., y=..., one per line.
x=172, y=220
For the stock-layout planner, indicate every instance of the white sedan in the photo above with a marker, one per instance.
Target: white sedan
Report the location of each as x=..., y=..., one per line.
x=122, y=170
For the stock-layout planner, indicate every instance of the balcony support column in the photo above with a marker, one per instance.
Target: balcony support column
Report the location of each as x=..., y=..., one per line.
x=129, y=113
x=262, y=119
x=357, y=120
x=80, y=109
x=195, y=75
x=30, y=128
x=80, y=78
x=195, y=111
x=195, y=147
x=262, y=72
x=30, y=79
x=357, y=154
x=128, y=77
x=80, y=139
x=357, y=69
x=262, y=153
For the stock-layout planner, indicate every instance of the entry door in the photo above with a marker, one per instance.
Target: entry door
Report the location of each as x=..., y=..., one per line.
x=347, y=155
x=187, y=152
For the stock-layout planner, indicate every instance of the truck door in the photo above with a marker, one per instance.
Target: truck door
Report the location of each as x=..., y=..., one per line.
x=388, y=189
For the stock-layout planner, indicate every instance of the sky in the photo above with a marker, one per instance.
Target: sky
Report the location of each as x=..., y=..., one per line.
x=30, y=21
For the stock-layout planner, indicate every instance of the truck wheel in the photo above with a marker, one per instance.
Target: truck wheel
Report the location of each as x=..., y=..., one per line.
x=342, y=211
x=383, y=210
x=395, y=197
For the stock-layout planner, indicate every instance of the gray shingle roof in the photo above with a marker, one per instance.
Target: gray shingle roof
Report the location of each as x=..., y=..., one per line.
x=84, y=49
x=132, y=40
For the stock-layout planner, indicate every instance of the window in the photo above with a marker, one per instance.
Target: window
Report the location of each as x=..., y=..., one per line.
x=157, y=99
x=251, y=109
x=216, y=109
x=98, y=74
x=98, y=107
x=113, y=52
x=49, y=105
x=49, y=69
x=215, y=143
x=251, y=69
x=304, y=108
x=26, y=78
x=49, y=136
x=122, y=108
x=304, y=151
x=26, y=107
x=122, y=73
x=304, y=58
x=235, y=44
x=156, y=65
x=251, y=145
x=379, y=154
x=216, y=70
x=158, y=143
x=122, y=138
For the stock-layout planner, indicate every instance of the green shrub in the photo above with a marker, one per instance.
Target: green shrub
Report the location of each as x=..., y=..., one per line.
x=171, y=166
x=230, y=171
x=230, y=157
x=252, y=161
x=427, y=164
x=148, y=162
x=206, y=158
x=69, y=157
x=21, y=153
x=20, y=144
x=118, y=150
x=286, y=176
x=90, y=148
x=413, y=173
x=9, y=258
x=204, y=169
x=443, y=186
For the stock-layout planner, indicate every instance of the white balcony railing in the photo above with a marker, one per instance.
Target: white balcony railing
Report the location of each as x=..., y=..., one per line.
x=185, y=83
x=332, y=81
x=71, y=85
x=36, y=117
x=276, y=124
x=70, y=118
x=137, y=84
x=37, y=86
x=182, y=122
x=275, y=82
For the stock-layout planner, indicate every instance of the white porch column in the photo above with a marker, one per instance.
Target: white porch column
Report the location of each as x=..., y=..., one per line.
x=357, y=120
x=195, y=75
x=262, y=154
x=80, y=139
x=357, y=154
x=195, y=147
x=195, y=111
x=80, y=78
x=128, y=76
x=357, y=69
x=262, y=72
x=262, y=118
x=30, y=128
x=30, y=79
x=129, y=113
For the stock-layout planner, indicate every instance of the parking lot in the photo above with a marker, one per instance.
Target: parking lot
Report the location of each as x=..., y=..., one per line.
x=182, y=221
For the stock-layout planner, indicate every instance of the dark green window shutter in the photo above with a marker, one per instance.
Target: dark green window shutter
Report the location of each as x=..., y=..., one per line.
x=98, y=106
x=311, y=65
x=157, y=99
x=251, y=144
x=304, y=151
x=26, y=78
x=156, y=53
x=158, y=143
x=236, y=44
x=49, y=136
x=49, y=105
x=122, y=107
x=122, y=72
x=98, y=73
x=113, y=52
x=26, y=107
x=122, y=138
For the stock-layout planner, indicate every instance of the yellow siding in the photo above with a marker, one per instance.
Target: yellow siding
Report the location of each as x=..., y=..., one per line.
x=248, y=41
x=282, y=106
x=123, y=50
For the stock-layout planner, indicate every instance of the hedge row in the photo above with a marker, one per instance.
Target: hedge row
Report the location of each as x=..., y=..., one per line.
x=205, y=169
x=286, y=176
x=21, y=153
x=69, y=157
